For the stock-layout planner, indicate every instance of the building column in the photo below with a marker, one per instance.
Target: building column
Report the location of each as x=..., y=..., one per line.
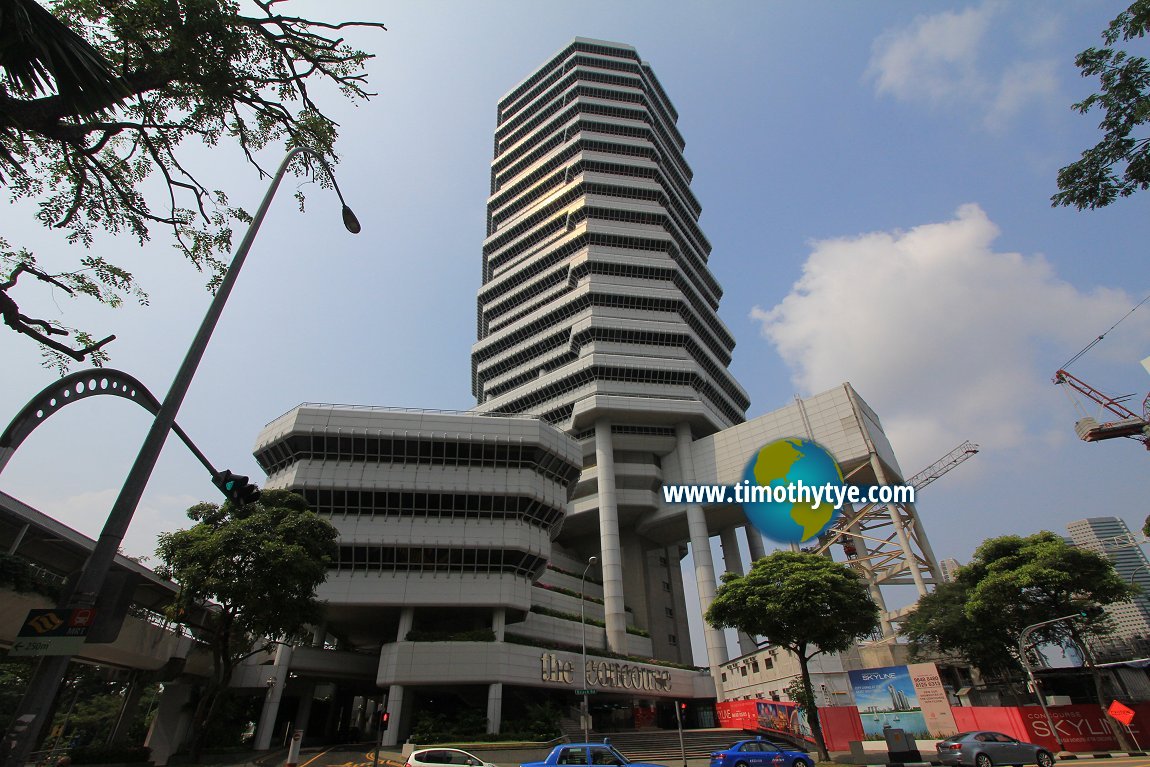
x=862, y=553
x=900, y=530
x=609, y=548
x=170, y=724
x=406, y=619
x=319, y=635
x=494, y=706
x=755, y=543
x=394, y=707
x=127, y=710
x=733, y=562
x=303, y=708
x=276, y=681
x=498, y=625
x=704, y=565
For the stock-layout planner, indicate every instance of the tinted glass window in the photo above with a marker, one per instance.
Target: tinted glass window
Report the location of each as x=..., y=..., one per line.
x=603, y=755
x=573, y=756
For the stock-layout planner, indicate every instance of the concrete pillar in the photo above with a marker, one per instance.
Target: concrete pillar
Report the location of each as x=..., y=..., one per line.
x=755, y=543
x=19, y=538
x=498, y=625
x=303, y=708
x=127, y=711
x=704, y=565
x=319, y=635
x=171, y=722
x=406, y=618
x=733, y=562
x=924, y=544
x=862, y=553
x=276, y=681
x=494, y=706
x=903, y=538
x=394, y=708
x=610, y=557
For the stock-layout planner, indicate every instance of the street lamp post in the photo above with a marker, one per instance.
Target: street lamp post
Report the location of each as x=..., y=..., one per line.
x=1030, y=672
x=584, y=710
x=46, y=680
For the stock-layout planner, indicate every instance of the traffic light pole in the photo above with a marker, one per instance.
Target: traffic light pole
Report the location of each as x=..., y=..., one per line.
x=41, y=691
x=1030, y=672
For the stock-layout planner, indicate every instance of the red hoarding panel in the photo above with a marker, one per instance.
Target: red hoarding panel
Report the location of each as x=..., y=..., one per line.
x=841, y=725
x=738, y=714
x=1081, y=728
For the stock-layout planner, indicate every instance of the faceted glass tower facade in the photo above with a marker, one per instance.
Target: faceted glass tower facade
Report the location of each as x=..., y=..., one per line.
x=597, y=310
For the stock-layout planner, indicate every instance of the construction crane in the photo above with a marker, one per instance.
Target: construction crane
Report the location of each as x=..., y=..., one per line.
x=1127, y=424
x=841, y=528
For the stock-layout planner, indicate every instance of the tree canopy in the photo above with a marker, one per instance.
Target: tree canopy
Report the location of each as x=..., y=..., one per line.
x=804, y=603
x=1013, y=582
x=1119, y=164
x=99, y=97
x=260, y=564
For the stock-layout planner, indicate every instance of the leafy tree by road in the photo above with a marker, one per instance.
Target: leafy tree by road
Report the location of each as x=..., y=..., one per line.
x=804, y=603
x=1011, y=583
x=260, y=564
x=1119, y=164
x=97, y=99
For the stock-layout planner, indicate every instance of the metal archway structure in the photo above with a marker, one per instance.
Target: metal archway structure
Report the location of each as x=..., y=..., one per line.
x=78, y=386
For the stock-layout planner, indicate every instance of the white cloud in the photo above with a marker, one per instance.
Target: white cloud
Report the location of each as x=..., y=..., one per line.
x=943, y=335
x=934, y=58
x=943, y=60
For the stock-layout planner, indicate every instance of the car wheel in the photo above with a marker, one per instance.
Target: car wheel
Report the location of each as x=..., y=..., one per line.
x=799, y=763
x=1044, y=759
x=741, y=764
x=982, y=760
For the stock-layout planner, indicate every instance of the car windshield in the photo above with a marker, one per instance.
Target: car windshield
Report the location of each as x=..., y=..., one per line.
x=606, y=755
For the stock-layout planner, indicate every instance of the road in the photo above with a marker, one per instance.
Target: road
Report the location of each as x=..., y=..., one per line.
x=344, y=756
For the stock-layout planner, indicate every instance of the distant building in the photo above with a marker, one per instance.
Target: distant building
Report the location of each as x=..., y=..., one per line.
x=949, y=568
x=1111, y=537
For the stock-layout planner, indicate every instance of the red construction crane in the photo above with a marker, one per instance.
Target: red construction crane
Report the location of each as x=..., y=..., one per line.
x=1128, y=424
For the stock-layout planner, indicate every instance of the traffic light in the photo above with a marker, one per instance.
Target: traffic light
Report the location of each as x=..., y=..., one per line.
x=236, y=487
x=384, y=718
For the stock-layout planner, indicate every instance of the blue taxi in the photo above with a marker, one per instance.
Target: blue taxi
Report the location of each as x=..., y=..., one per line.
x=760, y=753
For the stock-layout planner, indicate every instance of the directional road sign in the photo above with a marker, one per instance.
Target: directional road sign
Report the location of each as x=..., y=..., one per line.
x=53, y=632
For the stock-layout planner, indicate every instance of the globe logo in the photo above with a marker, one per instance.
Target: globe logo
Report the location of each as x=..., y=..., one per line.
x=783, y=464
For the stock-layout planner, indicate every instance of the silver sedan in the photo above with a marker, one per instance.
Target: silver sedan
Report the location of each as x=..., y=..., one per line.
x=986, y=749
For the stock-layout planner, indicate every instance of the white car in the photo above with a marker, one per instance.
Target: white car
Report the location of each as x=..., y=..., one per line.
x=438, y=757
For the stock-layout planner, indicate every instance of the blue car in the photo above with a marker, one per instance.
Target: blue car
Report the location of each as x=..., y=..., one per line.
x=760, y=753
x=587, y=754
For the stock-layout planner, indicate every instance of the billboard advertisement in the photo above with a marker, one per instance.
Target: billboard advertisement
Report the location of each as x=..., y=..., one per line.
x=909, y=698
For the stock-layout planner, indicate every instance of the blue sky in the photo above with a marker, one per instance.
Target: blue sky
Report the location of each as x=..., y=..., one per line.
x=875, y=180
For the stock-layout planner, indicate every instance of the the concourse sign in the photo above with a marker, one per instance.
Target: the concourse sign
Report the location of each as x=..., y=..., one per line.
x=53, y=632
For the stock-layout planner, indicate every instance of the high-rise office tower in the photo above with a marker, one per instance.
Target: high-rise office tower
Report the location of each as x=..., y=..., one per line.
x=1111, y=537
x=597, y=310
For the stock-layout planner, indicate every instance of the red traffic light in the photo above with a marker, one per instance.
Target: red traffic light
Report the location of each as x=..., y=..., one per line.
x=682, y=706
x=384, y=718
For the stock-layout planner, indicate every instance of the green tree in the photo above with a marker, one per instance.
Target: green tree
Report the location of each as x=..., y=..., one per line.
x=805, y=603
x=1011, y=583
x=97, y=97
x=260, y=565
x=1119, y=164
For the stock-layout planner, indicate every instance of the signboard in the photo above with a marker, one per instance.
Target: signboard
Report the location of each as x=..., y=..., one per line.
x=53, y=632
x=586, y=692
x=909, y=698
x=1121, y=712
x=47, y=646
